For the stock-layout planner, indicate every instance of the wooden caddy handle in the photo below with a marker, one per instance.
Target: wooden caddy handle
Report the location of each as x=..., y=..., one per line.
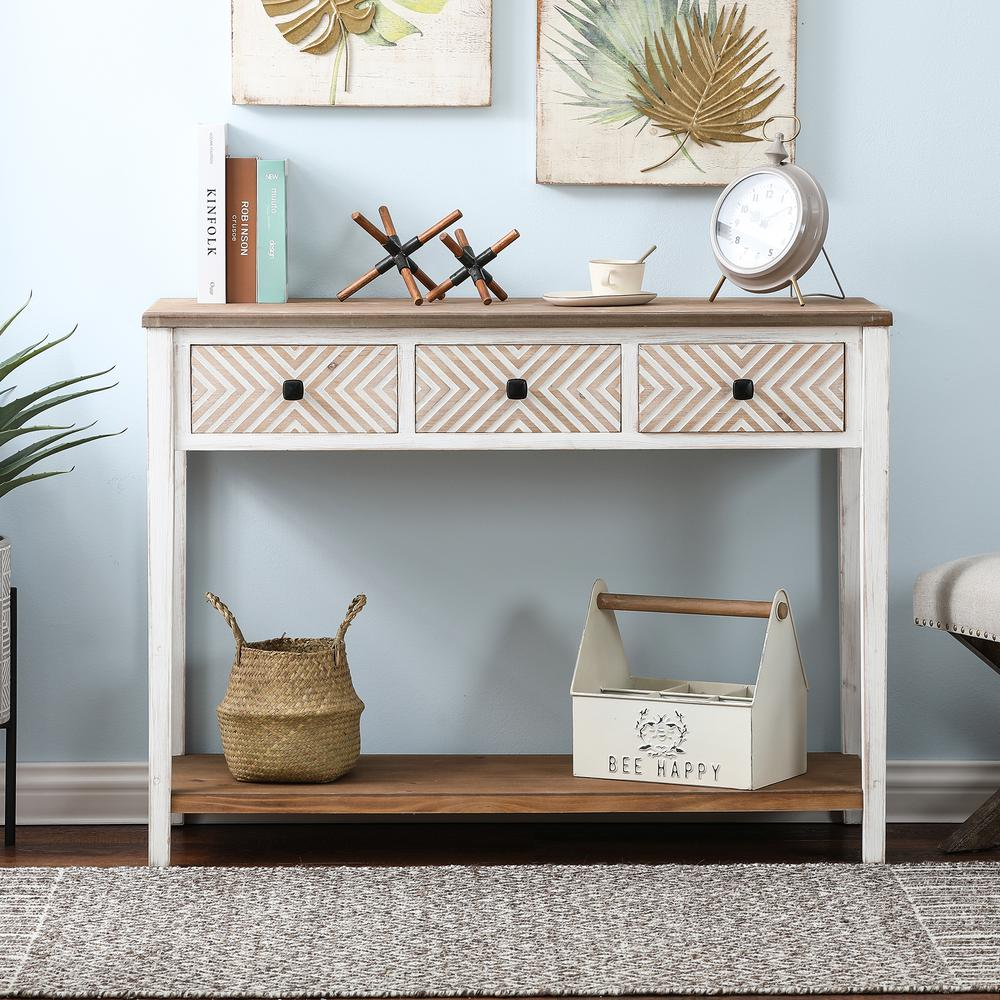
x=690, y=606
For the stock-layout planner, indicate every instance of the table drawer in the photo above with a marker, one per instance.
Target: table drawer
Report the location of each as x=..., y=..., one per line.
x=238, y=389
x=570, y=389
x=694, y=388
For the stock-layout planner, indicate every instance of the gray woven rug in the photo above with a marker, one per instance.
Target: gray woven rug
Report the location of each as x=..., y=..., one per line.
x=372, y=932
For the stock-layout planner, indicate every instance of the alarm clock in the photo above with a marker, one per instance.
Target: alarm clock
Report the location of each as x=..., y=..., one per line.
x=769, y=225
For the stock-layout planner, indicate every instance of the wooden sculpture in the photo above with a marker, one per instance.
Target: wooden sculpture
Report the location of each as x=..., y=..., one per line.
x=399, y=254
x=473, y=266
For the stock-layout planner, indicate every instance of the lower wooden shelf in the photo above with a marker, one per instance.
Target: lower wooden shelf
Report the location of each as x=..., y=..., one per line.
x=541, y=785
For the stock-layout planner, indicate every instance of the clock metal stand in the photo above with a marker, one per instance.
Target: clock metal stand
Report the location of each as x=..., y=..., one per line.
x=803, y=247
x=794, y=290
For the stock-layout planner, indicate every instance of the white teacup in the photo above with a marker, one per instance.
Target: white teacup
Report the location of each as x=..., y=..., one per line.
x=616, y=277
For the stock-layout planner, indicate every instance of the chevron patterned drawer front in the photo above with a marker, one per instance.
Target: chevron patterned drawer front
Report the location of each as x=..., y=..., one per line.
x=689, y=388
x=346, y=390
x=571, y=389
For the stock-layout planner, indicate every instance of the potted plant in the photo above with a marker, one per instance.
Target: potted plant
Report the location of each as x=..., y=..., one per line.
x=19, y=415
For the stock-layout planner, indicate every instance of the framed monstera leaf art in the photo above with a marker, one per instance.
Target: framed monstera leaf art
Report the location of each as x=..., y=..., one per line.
x=664, y=92
x=363, y=53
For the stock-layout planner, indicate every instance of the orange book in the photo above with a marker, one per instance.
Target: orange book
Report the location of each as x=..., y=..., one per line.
x=241, y=229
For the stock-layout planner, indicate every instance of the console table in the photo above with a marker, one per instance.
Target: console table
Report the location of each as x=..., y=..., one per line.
x=383, y=375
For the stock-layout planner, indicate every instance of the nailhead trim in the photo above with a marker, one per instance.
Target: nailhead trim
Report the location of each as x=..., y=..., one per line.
x=958, y=629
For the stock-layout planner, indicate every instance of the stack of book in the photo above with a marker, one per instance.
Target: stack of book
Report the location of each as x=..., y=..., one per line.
x=243, y=229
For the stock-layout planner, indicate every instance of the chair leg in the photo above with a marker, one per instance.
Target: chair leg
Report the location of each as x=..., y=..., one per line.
x=987, y=651
x=980, y=831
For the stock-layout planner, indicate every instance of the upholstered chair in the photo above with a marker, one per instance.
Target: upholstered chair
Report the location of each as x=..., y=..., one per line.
x=963, y=598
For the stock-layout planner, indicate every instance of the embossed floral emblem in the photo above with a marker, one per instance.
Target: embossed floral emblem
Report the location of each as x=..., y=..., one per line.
x=661, y=735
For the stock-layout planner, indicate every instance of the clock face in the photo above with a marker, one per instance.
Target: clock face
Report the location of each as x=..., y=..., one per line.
x=758, y=221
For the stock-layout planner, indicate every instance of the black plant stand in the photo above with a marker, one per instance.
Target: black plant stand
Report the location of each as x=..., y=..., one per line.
x=10, y=731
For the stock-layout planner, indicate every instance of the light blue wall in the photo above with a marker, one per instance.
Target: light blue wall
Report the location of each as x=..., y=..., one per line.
x=478, y=567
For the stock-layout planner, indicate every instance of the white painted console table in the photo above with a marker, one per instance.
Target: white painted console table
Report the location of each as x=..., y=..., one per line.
x=384, y=375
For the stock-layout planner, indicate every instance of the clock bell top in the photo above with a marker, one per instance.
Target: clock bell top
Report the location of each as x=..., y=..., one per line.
x=777, y=152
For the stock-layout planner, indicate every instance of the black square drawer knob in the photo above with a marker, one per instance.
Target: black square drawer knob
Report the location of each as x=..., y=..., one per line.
x=743, y=388
x=292, y=388
x=517, y=388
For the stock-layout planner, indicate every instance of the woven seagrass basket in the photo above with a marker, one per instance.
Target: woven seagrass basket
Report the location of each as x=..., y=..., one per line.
x=291, y=713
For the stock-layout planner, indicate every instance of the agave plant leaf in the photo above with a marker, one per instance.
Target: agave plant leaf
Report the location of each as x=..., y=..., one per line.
x=17, y=413
x=10, y=463
x=13, y=484
x=20, y=354
x=30, y=412
x=706, y=87
x=7, y=323
x=9, y=435
x=10, y=410
x=39, y=347
x=321, y=24
x=15, y=465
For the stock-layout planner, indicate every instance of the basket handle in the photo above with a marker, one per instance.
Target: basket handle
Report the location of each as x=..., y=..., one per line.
x=352, y=612
x=690, y=606
x=219, y=606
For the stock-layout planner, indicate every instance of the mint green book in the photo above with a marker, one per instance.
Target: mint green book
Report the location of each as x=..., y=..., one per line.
x=272, y=232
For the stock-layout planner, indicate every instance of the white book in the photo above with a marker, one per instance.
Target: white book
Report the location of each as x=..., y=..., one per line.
x=212, y=213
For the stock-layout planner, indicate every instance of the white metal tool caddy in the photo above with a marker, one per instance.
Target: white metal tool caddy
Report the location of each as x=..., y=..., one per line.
x=688, y=732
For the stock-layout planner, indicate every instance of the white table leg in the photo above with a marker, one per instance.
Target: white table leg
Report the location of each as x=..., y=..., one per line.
x=849, y=488
x=178, y=723
x=874, y=587
x=163, y=506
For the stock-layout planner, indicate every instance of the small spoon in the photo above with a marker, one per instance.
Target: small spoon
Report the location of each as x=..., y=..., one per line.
x=646, y=254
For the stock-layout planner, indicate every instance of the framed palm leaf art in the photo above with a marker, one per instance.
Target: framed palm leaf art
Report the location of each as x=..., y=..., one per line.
x=664, y=92
x=363, y=53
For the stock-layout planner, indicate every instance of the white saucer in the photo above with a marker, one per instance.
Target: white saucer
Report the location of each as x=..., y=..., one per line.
x=598, y=298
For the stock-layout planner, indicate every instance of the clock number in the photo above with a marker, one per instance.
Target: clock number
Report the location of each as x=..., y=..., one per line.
x=770, y=252
x=736, y=240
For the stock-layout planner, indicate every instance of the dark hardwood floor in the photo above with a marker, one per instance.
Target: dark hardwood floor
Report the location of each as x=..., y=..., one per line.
x=481, y=844
x=476, y=843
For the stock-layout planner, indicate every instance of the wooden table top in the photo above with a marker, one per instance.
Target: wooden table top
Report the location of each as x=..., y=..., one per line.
x=664, y=313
